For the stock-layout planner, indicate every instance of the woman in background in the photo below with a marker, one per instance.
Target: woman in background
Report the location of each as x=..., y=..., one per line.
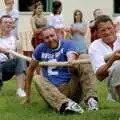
x=78, y=30
x=56, y=19
x=37, y=22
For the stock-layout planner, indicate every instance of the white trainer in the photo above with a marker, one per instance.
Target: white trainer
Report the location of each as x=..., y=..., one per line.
x=74, y=107
x=20, y=93
x=92, y=104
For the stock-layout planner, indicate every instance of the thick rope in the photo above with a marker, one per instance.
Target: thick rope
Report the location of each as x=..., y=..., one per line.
x=80, y=61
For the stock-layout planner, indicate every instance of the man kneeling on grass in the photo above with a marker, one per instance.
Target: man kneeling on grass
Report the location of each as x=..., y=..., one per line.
x=61, y=87
x=10, y=65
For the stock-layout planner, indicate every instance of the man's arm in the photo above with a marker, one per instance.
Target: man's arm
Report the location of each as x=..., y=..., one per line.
x=71, y=56
x=103, y=71
x=28, y=79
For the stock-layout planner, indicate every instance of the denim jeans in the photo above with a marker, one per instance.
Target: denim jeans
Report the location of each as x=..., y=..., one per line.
x=11, y=67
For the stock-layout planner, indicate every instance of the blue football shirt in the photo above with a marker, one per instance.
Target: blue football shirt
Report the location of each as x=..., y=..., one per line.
x=56, y=75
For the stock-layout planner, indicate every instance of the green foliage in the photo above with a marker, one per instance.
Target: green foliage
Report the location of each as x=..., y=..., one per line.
x=11, y=109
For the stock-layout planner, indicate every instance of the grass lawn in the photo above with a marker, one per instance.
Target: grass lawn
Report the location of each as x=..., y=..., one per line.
x=11, y=109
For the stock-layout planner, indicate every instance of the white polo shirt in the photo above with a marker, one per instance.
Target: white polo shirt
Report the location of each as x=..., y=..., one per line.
x=98, y=49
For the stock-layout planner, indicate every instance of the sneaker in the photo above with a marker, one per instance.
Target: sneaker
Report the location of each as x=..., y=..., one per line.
x=92, y=104
x=73, y=107
x=20, y=93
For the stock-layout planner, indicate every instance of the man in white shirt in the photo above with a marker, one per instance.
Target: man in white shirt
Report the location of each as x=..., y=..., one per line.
x=108, y=43
x=10, y=65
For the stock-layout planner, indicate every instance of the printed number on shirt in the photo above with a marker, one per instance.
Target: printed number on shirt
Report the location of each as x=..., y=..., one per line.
x=51, y=70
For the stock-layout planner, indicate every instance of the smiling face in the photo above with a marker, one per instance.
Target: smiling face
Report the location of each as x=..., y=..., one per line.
x=106, y=31
x=50, y=38
x=6, y=24
x=39, y=9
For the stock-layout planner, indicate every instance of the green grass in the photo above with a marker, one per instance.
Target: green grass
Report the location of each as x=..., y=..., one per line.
x=11, y=109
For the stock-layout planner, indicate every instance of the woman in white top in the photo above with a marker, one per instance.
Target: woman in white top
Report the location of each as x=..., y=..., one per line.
x=56, y=20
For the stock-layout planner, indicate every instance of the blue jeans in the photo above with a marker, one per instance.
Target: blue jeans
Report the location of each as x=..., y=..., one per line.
x=11, y=67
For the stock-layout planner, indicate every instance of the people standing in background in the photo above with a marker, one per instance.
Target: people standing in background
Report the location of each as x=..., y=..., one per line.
x=78, y=30
x=56, y=19
x=14, y=13
x=96, y=12
x=37, y=22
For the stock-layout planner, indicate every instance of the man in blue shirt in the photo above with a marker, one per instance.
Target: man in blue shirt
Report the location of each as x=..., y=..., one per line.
x=58, y=86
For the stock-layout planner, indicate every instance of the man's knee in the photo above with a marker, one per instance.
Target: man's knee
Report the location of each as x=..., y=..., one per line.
x=40, y=81
x=21, y=65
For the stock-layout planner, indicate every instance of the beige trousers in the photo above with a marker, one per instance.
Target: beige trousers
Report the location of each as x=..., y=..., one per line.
x=81, y=86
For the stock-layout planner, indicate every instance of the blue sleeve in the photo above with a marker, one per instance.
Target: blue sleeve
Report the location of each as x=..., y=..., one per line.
x=37, y=52
x=72, y=46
